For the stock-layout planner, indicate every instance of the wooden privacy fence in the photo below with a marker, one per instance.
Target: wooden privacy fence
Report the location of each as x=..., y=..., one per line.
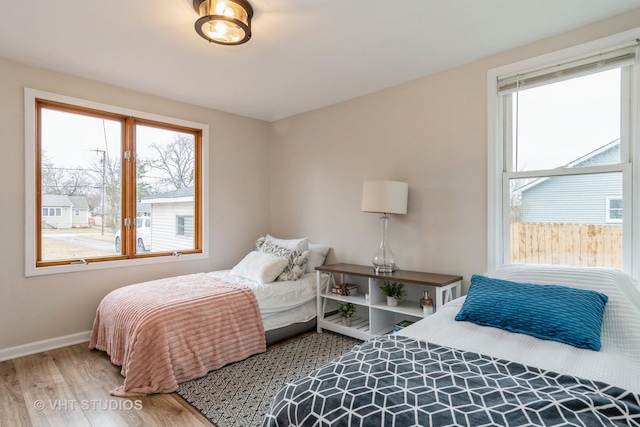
x=584, y=245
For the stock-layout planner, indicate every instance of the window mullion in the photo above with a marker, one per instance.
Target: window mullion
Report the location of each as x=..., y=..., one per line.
x=631, y=204
x=506, y=220
x=618, y=167
x=507, y=135
x=129, y=186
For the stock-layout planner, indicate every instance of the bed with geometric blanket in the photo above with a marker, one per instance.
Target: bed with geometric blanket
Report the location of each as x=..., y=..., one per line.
x=399, y=381
x=442, y=371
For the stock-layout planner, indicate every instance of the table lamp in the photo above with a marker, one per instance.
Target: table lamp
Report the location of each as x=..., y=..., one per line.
x=384, y=197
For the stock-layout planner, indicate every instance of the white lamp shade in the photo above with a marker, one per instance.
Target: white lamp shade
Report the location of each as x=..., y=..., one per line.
x=385, y=197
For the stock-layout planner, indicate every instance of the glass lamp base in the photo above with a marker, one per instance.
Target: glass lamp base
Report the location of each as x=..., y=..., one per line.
x=384, y=268
x=384, y=261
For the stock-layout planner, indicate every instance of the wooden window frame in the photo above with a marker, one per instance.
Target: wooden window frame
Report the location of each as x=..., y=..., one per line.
x=34, y=265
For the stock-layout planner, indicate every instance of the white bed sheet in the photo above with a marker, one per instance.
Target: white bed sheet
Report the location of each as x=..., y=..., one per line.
x=617, y=363
x=281, y=303
x=300, y=314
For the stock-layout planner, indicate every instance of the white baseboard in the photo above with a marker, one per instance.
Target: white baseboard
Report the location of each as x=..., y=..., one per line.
x=44, y=345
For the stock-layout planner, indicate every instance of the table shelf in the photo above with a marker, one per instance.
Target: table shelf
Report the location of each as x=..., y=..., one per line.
x=373, y=316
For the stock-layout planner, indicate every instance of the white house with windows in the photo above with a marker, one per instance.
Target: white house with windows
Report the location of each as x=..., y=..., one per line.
x=62, y=211
x=576, y=199
x=172, y=220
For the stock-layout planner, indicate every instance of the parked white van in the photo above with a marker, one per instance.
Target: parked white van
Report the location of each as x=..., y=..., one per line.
x=143, y=235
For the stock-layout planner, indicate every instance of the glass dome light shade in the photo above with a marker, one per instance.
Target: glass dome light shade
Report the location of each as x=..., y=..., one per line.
x=225, y=22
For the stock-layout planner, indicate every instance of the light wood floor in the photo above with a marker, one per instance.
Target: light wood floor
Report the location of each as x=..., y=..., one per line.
x=70, y=387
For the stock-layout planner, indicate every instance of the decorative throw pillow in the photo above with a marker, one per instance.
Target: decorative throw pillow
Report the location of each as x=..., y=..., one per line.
x=317, y=255
x=260, y=242
x=260, y=267
x=550, y=312
x=299, y=245
x=296, y=261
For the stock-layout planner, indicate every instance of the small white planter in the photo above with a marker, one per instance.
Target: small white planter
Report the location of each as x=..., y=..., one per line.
x=346, y=321
x=392, y=302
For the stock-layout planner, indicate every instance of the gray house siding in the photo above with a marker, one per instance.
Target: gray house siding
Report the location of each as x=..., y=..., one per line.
x=608, y=157
x=56, y=211
x=80, y=211
x=579, y=199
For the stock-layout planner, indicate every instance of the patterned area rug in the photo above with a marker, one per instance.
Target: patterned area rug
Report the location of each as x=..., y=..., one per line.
x=239, y=395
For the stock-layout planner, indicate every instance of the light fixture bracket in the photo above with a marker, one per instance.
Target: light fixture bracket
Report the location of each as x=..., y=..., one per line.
x=245, y=26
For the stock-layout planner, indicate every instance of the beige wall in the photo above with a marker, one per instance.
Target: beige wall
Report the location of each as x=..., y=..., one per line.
x=44, y=307
x=431, y=133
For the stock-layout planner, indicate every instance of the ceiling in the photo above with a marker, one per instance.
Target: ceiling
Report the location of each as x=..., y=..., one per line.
x=304, y=54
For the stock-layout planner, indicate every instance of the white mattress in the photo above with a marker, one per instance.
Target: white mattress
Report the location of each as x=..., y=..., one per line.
x=281, y=303
x=617, y=363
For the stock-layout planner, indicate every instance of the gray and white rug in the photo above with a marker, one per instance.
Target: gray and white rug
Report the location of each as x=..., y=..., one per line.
x=239, y=395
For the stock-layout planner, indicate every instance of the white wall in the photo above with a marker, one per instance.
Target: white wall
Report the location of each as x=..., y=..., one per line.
x=44, y=307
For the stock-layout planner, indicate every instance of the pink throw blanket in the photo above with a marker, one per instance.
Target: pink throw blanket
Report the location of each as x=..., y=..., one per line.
x=172, y=330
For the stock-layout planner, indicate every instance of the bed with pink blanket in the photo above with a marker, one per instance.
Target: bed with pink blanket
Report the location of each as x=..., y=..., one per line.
x=171, y=330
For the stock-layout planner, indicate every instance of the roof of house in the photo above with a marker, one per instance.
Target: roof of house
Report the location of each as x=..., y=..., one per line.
x=79, y=202
x=180, y=193
x=598, y=152
x=76, y=202
x=56, y=200
x=581, y=161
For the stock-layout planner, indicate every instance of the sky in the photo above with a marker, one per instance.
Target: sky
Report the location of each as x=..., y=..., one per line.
x=569, y=119
x=68, y=139
x=71, y=140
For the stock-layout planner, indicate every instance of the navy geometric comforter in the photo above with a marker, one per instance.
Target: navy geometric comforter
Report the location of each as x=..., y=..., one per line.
x=398, y=381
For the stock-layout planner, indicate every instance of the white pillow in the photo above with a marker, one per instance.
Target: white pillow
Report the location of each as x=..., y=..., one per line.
x=260, y=267
x=299, y=245
x=317, y=255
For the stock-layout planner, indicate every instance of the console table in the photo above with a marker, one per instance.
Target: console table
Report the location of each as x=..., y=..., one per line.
x=373, y=316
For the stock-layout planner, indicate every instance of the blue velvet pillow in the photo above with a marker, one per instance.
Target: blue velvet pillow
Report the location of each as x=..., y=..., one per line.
x=549, y=312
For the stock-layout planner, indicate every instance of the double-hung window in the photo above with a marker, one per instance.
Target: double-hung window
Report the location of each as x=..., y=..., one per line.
x=614, y=209
x=125, y=174
x=562, y=143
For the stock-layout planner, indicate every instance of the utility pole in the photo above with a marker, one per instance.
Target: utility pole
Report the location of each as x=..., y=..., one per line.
x=104, y=173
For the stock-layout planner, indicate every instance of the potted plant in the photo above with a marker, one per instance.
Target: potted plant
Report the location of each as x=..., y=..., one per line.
x=394, y=291
x=346, y=310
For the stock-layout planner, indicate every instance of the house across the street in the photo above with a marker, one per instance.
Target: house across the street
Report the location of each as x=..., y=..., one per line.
x=62, y=211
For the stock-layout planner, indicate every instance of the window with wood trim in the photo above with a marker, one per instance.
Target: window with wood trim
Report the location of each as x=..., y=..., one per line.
x=109, y=185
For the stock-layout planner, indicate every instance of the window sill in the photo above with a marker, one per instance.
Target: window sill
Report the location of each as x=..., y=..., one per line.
x=31, y=270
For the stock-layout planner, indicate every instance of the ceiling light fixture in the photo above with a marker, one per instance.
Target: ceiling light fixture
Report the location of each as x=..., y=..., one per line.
x=224, y=21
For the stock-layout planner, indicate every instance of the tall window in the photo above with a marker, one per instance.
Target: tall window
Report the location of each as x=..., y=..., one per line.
x=108, y=186
x=563, y=147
